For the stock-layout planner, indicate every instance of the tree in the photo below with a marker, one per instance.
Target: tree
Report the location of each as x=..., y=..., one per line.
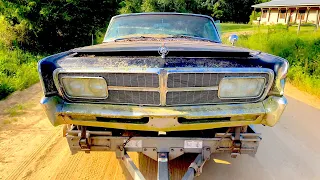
x=233, y=10
x=224, y=10
x=58, y=25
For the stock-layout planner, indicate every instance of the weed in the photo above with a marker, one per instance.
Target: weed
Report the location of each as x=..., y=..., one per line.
x=18, y=70
x=15, y=110
x=9, y=121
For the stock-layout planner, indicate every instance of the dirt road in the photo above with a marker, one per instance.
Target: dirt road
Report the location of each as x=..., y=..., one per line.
x=30, y=148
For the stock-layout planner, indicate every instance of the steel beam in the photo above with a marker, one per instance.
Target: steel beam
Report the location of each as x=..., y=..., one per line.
x=132, y=168
x=163, y=166
x=193, y=168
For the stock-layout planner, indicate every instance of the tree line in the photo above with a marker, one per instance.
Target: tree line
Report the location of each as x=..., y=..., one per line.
x=52, y=26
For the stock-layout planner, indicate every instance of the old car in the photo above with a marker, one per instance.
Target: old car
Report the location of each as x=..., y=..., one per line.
x=163, y=84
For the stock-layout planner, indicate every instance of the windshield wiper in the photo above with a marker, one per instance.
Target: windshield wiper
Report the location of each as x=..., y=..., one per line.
x=191, y=37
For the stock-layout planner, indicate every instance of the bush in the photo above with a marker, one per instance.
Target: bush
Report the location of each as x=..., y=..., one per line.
x=301, y=50
x=18, y=70
x=52, y=26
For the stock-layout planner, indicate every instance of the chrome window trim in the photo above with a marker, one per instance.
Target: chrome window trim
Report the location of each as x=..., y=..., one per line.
x=163, y=74
x=248, y=97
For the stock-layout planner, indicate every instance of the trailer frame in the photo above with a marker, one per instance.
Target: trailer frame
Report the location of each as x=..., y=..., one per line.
x=163, y=148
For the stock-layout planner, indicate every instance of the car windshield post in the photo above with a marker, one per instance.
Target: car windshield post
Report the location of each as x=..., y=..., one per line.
x=162, y=26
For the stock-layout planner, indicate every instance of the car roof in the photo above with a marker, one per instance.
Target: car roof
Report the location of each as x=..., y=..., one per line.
x=162, y=13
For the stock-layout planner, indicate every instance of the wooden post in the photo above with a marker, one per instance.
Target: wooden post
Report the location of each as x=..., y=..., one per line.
x=278, y=15
x=297, y=11
x=308, y=10
x=260, y=17
x=299, y=23
x=286, y=16
x=317, y=20
x=269, y=14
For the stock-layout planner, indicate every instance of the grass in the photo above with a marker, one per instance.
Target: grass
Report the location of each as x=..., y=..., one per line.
x=12, y=112
x=18, y=70
x=15, y=110
x=301, y=50
x=10, y=120
x=231, y=27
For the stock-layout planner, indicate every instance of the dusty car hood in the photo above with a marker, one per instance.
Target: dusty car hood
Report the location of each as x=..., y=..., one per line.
x=177, y=45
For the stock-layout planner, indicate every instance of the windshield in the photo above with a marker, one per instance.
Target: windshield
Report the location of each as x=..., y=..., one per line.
x=161, y=26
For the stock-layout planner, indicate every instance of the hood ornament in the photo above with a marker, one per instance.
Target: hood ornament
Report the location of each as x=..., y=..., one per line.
x=163, y=51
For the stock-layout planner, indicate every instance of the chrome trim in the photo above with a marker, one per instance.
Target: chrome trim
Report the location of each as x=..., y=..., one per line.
x=248, y=97
x=211, y=88
x=267, y=112
x=163, y=87
x=59, y=55
x=61, y=91
x=108, y=70
x=229, y=71
x=163, y=74
x=125, y=88
x=84, y=97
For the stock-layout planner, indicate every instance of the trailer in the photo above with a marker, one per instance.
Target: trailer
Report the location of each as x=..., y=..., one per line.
x=164, y=146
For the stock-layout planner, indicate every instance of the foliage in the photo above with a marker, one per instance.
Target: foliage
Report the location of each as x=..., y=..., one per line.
x=254, y=16
x=233, y=10
x=52, y=26
x=301, y=50
x=224, y=10
x=18, y=70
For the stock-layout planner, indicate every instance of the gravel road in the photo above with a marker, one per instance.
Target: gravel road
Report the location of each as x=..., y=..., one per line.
x=30, y=148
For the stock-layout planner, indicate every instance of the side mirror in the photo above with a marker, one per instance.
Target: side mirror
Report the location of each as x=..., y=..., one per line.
x=233, y=39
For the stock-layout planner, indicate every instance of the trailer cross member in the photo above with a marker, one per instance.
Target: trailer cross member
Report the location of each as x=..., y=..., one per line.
x=195, y=168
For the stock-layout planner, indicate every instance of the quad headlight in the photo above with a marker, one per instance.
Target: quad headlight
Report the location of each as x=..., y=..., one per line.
x=82, y=87
x=241, y=87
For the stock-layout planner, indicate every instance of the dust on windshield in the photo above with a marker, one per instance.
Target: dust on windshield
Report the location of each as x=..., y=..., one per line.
x=161, y=26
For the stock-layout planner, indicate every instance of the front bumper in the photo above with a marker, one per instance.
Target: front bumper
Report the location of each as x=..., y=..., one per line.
x=267, y=112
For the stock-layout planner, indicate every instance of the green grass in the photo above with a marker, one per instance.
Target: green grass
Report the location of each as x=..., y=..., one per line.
x=18, y=70
x=230, y=27
x=301, y=50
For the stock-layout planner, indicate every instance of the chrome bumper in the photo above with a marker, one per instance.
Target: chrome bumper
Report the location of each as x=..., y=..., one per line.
x=267, y=112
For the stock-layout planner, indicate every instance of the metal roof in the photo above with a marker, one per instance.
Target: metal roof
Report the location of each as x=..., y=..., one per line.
x=288, y=3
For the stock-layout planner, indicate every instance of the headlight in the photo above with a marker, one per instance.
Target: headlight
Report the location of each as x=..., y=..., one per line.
x=241, y=87
x=79, y=87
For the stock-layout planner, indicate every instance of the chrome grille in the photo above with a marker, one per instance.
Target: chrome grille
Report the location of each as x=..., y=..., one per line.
x=202, y=88
x=162, y=87
x=178, y=80
x=133, y=97
x=123, y=79
x=124, y=88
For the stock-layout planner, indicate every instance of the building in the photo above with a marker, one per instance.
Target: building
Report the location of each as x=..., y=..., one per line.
x=289, y=11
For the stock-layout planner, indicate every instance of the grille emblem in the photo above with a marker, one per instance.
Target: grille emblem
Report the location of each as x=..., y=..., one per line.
x=163, y=51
